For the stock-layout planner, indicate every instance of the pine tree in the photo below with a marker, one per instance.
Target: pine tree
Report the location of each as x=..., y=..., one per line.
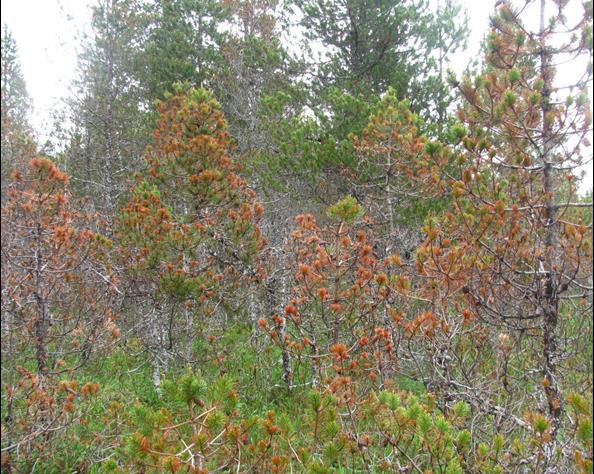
x=398, y=173
x=514, y=250
x=190, y=230
x=57, y=295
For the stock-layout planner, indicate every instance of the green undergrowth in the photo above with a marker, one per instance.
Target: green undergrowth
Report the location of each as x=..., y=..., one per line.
x=234, y=413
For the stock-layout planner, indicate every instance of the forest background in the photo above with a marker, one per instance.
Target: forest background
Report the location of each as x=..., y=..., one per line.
x=230, y=248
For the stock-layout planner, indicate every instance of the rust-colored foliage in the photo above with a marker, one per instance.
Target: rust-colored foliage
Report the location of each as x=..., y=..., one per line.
x=56, y=294
x=395, y=159
x=53, y=286
x=513, y=252
x=341, y=316
x=190, y=230
x=398, y=169
x=192, y=218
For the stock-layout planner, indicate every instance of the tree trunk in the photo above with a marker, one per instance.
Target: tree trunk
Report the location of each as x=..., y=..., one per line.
x=40, y=325
x=550, y=305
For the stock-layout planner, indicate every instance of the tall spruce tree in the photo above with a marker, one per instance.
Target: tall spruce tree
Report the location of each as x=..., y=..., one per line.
x=17, y=144
x=181, y=43
x=370, y=45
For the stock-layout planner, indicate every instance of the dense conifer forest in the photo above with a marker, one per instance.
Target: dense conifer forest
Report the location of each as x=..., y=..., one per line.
x=277, y=236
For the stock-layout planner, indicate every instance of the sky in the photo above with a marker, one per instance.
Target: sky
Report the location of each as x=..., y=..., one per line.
x=47, y=32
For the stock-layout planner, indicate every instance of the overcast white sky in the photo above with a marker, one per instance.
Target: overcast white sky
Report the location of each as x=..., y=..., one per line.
x=46, y=33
